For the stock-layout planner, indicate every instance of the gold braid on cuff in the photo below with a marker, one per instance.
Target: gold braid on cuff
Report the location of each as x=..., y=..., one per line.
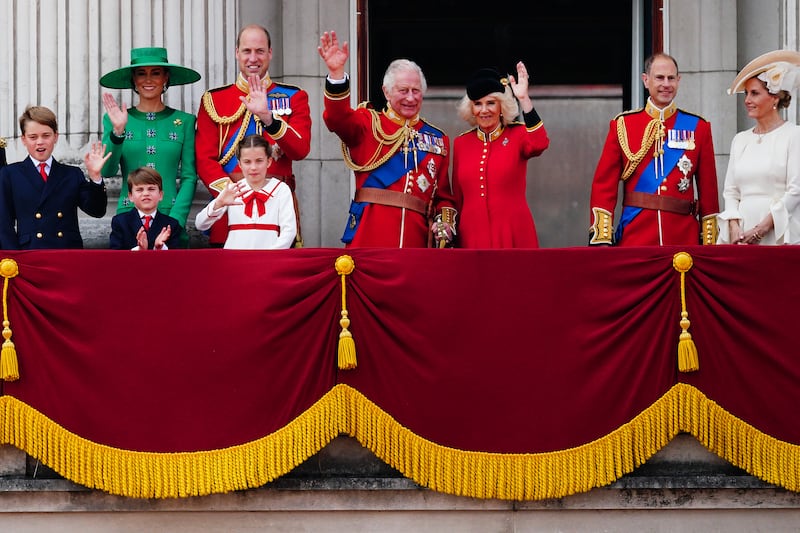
x=601, y=230
x=709, y=230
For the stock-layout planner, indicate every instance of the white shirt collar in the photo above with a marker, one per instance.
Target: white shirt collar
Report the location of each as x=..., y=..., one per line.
x=48, y=162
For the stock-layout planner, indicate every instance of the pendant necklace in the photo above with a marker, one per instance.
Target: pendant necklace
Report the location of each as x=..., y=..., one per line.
x=762, y=133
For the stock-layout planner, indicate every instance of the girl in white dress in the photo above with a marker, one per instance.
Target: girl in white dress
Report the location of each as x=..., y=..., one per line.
x=762, y=184
x=260, y=208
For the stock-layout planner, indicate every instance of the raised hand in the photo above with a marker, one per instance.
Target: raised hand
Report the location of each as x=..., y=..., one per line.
x=519, y=86
x=95, y=159
x=230, y=194
x=256, y=102
x=335, y=56
x=116, y=113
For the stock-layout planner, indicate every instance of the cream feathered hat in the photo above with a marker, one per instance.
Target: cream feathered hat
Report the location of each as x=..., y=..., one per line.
x=778, y=69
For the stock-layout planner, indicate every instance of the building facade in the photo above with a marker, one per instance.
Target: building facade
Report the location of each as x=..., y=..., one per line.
x=56, y=50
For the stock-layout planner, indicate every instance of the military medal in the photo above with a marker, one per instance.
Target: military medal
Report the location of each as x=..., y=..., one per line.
x=279, y=104
x=431, y=167
x=423, y=183
x=681, y=139
x=685, y=166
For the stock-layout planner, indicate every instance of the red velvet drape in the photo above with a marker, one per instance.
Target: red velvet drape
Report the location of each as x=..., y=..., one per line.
x=499, y=351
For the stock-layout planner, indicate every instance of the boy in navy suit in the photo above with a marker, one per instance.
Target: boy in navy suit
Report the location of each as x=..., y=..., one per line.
x=145, y=228
x=40, y=197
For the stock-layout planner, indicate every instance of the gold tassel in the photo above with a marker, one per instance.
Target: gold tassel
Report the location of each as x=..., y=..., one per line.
x=347, y=346
x=9, y=369
x=688, y=360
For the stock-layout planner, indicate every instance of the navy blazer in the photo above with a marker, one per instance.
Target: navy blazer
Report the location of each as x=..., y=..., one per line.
x=35, y=214
x=125, y=226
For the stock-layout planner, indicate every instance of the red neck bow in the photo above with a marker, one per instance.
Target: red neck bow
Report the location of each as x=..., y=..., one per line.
x=257, y=198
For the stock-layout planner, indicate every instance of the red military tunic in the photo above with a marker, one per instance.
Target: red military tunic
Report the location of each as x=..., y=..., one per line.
x=489, y=182
x=370, y=137
x=221, y=120
x=684, y=181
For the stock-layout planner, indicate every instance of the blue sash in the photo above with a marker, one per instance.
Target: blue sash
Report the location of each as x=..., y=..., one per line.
x=394, y=169
x=278, y=99
x=649, y=181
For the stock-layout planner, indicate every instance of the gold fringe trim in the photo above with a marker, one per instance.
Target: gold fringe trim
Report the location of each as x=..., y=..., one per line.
x=346, y=359
x=688, y=360
x=465, y=473
x=170, y=475
x=9, y=367
x=564, y=472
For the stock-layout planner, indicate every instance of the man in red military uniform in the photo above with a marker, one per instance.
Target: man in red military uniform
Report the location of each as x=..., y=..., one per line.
x=228, y=114
x=400, y=160
x=665, y=157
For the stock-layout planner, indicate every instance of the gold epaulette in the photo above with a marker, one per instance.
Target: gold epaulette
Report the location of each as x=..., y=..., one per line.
x=3, y=143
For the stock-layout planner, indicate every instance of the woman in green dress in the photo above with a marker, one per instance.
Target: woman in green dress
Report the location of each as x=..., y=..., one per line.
x=151, y=134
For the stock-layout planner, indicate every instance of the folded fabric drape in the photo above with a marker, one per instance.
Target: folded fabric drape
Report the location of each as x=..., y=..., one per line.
x=518, y=374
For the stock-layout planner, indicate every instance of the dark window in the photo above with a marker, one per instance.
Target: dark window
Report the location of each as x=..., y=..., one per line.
x=562, y=42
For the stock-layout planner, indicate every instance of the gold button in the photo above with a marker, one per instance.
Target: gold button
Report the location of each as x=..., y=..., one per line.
x=482, y=195
x=38, y=215
x=663, y=188
x=60, y=234
x=481, y=185
x=60, y=214
x=38, y=235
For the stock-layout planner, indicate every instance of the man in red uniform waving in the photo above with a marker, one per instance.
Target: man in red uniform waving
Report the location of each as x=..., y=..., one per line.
x=254, y=104
x=665, y=157
x=400, y=160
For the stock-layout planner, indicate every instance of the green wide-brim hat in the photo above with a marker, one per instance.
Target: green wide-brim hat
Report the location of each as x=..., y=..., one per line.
x=122, y=78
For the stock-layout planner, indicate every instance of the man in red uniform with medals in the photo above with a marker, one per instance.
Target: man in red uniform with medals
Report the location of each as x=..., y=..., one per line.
x=400, y=160
x=665, y=157
x=254, y=104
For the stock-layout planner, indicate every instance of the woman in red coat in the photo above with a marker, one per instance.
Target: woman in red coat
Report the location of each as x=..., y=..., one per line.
x=490, y=162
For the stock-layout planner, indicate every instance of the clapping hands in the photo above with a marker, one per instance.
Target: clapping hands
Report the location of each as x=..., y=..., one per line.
x=161, y=239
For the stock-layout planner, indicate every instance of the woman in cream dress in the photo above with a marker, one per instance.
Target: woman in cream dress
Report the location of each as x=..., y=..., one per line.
x=762, y=184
